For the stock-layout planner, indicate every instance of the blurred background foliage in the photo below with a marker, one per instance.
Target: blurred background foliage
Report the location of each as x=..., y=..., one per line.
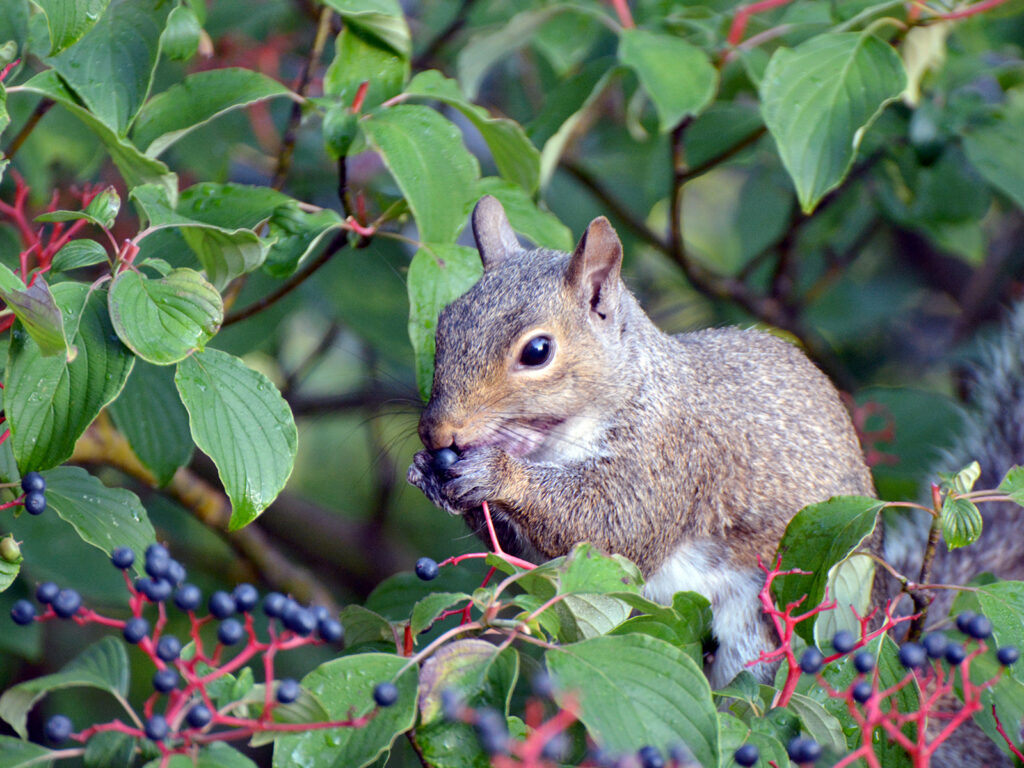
x=892, y=283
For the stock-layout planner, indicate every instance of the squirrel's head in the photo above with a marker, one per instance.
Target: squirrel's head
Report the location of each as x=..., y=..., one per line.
x=523, y=358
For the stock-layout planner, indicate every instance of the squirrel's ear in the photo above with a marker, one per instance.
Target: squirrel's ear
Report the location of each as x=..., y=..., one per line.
x=494, y=236
x=594, y=268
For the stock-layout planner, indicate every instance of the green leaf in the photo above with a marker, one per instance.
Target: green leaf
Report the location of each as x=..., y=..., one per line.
x=517, y=159
x=296, y=234
x=678, y=77
x=150, y=414
x=820, y=725
x=364, y=626
x=109, y=749
x=239, y=419
x=215, y=755
x=540, y=226
x=135, y=168
x=437, y=276
x=582, y=616
x=358, y=60
x=101, y=211
x=818, y=99
x=49, y=401
x=15, y=753
x=39, y=314
x=345, y=688
x=381, y=19
x=963, y=481
x=1003, y=603
x=434, y=170
x=107, y=518
x=995, y=151
x=196, y=100
x=103, y=665
x=111, y=67
x=817, y=539
x=8, y=573
x=961, y=522
x=426, y=611
x=736, y=733
x=69, y=20
x=1013, y=485
x=166, y=319
x=180, y=39
x=77, y=254
x=636, y=690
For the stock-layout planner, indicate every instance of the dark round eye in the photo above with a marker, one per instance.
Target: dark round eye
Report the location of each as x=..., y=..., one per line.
x=536, y=352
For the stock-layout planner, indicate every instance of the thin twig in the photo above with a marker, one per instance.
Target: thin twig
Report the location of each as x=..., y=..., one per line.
x=33, y=120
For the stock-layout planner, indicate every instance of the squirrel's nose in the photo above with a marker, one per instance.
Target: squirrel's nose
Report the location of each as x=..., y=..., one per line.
x=434, y=432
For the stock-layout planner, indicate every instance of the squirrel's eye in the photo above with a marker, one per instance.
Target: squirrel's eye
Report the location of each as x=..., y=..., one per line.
x=536, y=352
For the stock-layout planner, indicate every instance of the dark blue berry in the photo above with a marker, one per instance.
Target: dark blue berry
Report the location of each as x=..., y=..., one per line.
x=963, y=619
x=861, y=691
x=299, y=620
x=35, y=502
x=979, y=627
x=491, y=729
x=230, y=631
x=122, y=558
x=158, y=563
x=158, y=590
x=385, y=694
x=157, y=550
x=157, y=728
x=168, y=647
x=556, y=749
x=23, y=612
x=912, y=655
x=47, y=592
x=165, y=679
x=175, y=572
x=66, y=603
x=1007, y=655
x=864, y=662
x=33, y=482
x=135, y=629
x=320, y=612
x=542, y=685
x=803, y=750
x=426, y=569
x=955, y=654
x=811, y=661
x=221, y=604
x=274, y=604
x=681, y=754
x=747, y=755
x=451, y=704
x=650, y=757
x=443, y=459
x=844, y=641
x=199, y=716
x=188, y=597
x=330, y=630
x=288, y=690
x=246, y=597
x=935, y=645
x=57, y=728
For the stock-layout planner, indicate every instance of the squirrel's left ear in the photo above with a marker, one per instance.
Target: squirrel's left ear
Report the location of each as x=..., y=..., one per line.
x=594, y=269
x=494, y=236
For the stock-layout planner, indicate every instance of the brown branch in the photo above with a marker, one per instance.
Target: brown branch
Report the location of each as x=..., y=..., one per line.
x=458, y=21
x=735, y=149
x=340, y=241
x=375, y=397
x=33, y=120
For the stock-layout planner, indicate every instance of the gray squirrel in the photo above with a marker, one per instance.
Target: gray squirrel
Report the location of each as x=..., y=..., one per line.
x=577, y=419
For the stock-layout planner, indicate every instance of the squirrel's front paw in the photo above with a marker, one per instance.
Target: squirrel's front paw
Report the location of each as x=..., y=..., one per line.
x=476, y=477
x=423, y=474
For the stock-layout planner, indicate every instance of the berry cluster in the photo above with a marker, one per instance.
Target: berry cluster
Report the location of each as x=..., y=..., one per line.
x=34, y=486
x=183, y=673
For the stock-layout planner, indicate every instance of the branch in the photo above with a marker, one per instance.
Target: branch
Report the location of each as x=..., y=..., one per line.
x=33, y=120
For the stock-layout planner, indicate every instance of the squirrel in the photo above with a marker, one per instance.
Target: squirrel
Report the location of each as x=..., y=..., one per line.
x=577, y=419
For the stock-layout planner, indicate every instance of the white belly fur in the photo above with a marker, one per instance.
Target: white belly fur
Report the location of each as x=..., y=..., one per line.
x=736, y=610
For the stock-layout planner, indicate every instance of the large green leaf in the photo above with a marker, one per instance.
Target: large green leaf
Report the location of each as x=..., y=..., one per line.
x=1013, y=484
x=540, y=226
x=195, y=101
x=297, y=234
x=438, y=275
x=38, y=312
x=150, y=414
x=359, y=60
x=426, y=156
x=163, y=320
x=8, y=573
x=1003, y=603
x=107, y=518
x=995, y=151
x=635, y=690
x=517, y=159
x=16, y=753
x=215, y=755
x=344, y=687
x=961, y=522
x=135, y=167
x=818, y=98
x=49, y=401
x=68, y=20
x=382, y=19
x=678, y=77
x=103, y=665
x=239, y=419
x=111, y=67
x=78, y=253
x=818, y=539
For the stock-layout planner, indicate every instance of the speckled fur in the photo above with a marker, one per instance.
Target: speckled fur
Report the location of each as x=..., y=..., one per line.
x=709, y=441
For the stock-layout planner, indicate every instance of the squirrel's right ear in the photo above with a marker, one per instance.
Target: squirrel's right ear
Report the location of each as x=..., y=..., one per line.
x=593, y=272
x=494, y=236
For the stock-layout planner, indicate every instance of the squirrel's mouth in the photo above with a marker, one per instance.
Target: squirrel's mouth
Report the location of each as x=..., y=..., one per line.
x=522, y=438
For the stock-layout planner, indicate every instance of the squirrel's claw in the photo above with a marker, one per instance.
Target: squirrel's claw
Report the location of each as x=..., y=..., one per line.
x=421, y=474
x=474, y=478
